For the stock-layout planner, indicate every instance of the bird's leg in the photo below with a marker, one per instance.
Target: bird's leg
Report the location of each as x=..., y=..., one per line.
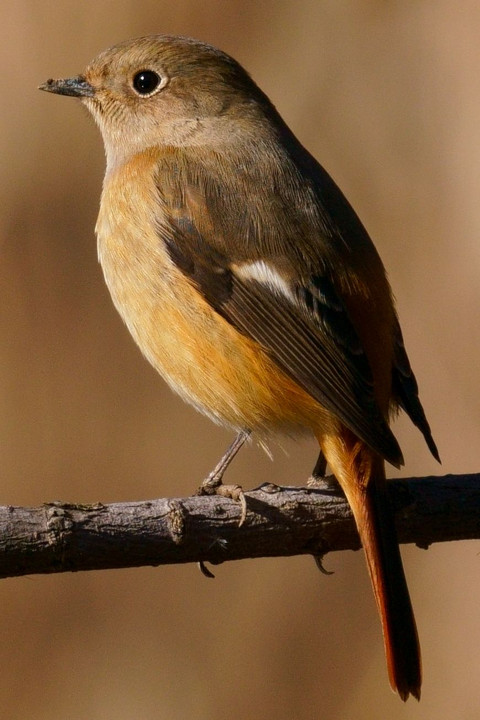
x=213, y=485
x=318, y=479
x=216, y=476
x=320, y=468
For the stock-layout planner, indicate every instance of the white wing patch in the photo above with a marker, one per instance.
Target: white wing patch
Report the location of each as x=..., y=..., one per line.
x=265, y=273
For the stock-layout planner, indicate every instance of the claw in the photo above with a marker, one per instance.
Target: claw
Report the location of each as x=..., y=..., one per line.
x=319, y=563
x=204, y=570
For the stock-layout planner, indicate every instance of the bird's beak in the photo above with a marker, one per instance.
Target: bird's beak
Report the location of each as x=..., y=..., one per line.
x=76, y=87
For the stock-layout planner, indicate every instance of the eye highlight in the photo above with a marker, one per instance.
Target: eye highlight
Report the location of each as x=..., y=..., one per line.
x=145, y=82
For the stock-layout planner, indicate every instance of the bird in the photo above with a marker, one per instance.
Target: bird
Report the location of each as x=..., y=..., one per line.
x=249, y=282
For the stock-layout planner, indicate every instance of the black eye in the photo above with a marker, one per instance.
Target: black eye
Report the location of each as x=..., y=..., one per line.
x=145, y=82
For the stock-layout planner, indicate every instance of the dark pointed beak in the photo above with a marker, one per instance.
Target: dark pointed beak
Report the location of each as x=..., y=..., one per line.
x=76, y=87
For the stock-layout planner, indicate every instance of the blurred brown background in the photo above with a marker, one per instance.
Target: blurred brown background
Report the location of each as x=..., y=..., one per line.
x=387, y=95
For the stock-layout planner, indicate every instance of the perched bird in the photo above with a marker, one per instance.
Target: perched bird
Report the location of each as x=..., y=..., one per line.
x=250, y=284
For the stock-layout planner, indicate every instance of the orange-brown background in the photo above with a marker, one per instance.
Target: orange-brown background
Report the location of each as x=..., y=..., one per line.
x=387, y=95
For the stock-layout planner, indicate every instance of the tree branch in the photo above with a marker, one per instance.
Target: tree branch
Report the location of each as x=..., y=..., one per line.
x=60, y=537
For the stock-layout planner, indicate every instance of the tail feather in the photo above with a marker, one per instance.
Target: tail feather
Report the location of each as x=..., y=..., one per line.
x=375, y=522
x=361, y=474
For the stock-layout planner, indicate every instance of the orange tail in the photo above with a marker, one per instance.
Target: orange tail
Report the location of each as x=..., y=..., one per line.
x=361, y=474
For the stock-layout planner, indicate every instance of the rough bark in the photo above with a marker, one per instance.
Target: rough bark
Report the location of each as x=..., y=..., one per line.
x=62, y=537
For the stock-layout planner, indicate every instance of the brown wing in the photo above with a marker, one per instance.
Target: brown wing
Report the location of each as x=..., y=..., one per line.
x=406, y=391
x=304, y=327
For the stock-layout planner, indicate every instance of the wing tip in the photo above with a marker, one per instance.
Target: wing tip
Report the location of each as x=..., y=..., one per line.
x=432, y=446
x=385, y=444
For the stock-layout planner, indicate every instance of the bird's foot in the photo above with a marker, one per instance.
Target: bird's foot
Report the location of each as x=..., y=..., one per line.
x=213, y=484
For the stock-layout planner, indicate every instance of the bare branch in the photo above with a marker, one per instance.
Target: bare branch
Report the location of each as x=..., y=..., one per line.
x=60, y=537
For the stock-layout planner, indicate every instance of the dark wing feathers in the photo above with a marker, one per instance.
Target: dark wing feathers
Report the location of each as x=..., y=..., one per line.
x=312, y=359
x=326, y=306
x=313, y=341
x=405, y=389
x=309, y=335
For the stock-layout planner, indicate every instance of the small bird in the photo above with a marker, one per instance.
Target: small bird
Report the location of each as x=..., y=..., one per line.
x=251, y=285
